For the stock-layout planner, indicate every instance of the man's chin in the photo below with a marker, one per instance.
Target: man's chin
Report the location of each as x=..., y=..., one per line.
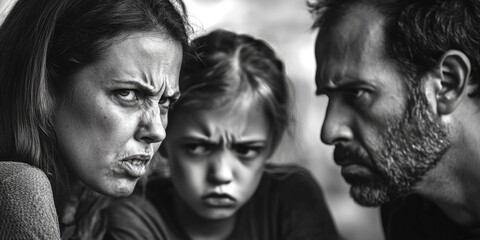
x=369, y=196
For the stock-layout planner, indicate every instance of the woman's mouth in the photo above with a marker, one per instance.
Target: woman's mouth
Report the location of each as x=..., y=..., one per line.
x=134, y=166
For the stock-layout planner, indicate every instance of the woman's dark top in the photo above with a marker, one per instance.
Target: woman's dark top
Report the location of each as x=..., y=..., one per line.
x=288, y=204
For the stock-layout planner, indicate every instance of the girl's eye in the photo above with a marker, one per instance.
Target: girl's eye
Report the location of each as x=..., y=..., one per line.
x=247, y=152
x=127, y=95
x=197, y=149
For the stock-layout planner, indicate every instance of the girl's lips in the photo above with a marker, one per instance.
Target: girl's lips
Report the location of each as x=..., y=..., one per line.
x=219, y=200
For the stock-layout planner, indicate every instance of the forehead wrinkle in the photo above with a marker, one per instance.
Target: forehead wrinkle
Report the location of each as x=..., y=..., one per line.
x=349, y=46
x=229, y=133
x=149, y=53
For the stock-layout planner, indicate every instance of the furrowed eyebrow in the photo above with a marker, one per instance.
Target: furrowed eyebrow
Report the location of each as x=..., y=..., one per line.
x=145, y=88
x=198, y=140
x=340, y=83
x=175, y=96
x=253, y=142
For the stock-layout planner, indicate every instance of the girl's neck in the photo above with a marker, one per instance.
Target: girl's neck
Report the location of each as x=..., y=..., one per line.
x=198, y=228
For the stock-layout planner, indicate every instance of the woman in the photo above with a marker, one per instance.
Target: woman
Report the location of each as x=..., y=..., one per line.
x=232, y=114
x=85, y=87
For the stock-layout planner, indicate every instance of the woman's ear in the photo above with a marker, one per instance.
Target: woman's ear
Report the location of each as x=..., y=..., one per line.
x=453, y=72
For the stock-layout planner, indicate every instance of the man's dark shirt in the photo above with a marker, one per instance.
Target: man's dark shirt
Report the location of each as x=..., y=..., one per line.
x=414, y=217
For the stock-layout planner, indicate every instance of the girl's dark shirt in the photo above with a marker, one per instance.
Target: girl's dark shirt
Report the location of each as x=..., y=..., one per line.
x=414, y=217
x=288, y=204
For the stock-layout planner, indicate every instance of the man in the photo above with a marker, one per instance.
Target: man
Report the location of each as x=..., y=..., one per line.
x=404, y=110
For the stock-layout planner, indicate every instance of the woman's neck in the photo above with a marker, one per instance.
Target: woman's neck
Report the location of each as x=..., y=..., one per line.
x=198, y=228
x=67, y=203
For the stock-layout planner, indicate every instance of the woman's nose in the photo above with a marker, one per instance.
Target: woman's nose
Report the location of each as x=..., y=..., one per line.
x=151, y=127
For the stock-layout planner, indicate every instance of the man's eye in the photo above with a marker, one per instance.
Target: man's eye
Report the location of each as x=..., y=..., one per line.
x=357, y=93
x=127, y=95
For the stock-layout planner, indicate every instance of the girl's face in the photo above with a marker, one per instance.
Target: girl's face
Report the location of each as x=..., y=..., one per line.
x=217, y=157
x=111, y=119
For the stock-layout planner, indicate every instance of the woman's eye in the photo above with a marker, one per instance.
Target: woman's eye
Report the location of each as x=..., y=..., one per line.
x=165, y=102
x=127, y=95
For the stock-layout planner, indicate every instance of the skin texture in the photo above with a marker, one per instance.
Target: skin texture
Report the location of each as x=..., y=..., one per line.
x=116, y=108
x=216, y=151
x=385, y=133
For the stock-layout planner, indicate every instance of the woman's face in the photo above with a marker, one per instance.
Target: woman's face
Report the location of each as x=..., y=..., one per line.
x=217, y=158
x=111, y=118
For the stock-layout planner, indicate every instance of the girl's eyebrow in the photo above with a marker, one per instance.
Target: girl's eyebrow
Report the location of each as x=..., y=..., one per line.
x=198, y=139
x=250, y=142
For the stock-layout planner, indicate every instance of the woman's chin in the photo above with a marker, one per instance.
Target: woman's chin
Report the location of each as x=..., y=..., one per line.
x=124, y=189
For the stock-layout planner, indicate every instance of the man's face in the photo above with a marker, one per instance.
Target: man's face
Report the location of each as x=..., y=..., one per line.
x=386, y=137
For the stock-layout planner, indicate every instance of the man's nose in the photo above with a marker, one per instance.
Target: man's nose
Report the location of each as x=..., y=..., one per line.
x=336, y=127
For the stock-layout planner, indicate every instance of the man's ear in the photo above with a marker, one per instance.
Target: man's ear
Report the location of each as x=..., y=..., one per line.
x=454, y=72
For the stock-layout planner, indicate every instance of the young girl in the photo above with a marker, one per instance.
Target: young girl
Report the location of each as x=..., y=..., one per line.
x=230, y=118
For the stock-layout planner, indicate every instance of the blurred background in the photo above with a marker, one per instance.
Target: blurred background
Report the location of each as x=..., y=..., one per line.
x=285, y=25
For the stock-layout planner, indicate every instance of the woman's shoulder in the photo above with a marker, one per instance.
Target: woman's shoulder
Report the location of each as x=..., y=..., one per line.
x=22, y=174
x=26, y=200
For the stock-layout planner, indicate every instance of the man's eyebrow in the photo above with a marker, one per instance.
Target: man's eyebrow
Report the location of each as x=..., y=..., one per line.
x=338, y=84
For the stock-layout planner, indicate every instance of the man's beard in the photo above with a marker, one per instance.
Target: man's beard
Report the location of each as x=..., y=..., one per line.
x=412, y=145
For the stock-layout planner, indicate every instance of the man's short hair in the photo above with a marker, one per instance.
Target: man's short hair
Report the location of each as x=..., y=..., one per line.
x=417, y=33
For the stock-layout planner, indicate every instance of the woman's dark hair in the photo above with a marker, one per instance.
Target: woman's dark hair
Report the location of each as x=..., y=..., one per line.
x=230, y=67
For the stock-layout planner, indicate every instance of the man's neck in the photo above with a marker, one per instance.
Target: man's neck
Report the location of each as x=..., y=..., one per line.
x=454, y=186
